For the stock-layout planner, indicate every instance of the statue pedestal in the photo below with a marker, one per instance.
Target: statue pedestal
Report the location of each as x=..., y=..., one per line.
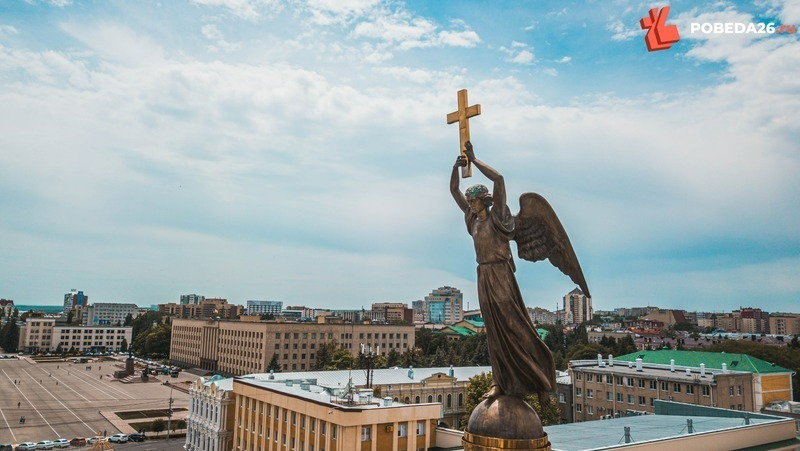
x=504, y=422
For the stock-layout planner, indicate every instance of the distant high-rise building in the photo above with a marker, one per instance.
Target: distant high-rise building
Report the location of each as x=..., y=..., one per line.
x=108, y=313
x=187, y=299
x=754, y=320
x=255, y=307
x=444, y=306
x=75, y=299
x=577, y=307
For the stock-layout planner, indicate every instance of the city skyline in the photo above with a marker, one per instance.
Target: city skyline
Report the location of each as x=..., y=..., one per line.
x=299, y=150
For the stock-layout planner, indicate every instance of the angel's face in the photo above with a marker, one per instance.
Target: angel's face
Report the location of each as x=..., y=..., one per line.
x=476, y=204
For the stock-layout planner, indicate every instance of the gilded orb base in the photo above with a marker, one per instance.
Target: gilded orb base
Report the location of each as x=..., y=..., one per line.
x=504, y=422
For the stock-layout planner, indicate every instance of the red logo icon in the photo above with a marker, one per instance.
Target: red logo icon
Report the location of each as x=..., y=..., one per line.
x=659, y=35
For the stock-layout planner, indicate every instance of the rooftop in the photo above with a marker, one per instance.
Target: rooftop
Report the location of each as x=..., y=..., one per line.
x=712, y=360
x=385, y=376
x=607, y=434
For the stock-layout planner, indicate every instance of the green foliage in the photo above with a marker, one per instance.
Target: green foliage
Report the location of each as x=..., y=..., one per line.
x=128, y=320
x=70, y=316
x=478, y=386
x=324, y=355
x=266, y=317
x=274, y=365
x=9, y=338
x=123, y=347
x=158, y=426
x=341, y=359
x=151, y=336
x=482, y=383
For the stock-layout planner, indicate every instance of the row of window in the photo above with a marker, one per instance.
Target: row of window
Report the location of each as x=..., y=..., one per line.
x=676, y=388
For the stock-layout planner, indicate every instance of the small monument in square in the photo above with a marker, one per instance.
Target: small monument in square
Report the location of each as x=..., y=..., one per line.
x=521, y=363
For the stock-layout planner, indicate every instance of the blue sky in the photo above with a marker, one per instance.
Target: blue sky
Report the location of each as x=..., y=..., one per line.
x=298, y=150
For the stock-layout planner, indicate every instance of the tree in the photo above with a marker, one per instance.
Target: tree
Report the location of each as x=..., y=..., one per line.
x=393, y=358
x=341, y=359
x=123, y=347
x=10, y=336
x=59, y=349
x=128, y=320
x=324, y=355
x=480, y=384
x=70, y=316
x=158, y=425
x=267, y=317
x=274, y=366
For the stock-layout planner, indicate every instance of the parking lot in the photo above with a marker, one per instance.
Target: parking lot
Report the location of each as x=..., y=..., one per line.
x=47, y=401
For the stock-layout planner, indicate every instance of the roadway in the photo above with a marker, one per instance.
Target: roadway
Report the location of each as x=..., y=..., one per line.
x=66, y=400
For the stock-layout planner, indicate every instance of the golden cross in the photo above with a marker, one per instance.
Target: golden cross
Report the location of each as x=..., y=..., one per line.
x=462, y=116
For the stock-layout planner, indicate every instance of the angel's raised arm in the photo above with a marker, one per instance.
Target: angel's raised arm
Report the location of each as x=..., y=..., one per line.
x=499, y=188
x=461, y=200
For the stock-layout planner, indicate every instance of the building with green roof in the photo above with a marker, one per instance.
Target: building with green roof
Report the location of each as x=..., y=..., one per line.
x=614, y=386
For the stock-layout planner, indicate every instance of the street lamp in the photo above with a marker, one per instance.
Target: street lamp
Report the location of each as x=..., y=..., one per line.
x=169, y=412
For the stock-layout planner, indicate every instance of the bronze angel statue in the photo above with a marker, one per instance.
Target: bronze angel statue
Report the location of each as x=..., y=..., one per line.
x=521, y=363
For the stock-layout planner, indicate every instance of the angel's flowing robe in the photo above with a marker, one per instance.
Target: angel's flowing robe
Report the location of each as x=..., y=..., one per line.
x=521, y=363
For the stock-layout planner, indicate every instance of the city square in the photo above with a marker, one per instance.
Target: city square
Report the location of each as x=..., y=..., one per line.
x=45, y=401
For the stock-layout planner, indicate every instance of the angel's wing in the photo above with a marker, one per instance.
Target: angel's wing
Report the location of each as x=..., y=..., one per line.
x=540, y=235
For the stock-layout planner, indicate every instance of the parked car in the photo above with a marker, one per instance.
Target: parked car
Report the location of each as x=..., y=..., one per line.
x=78, y=441
x=137, y=437
x=26, y=446
x=45, y=444
x=118, y=438
x=61, y=443
x=96, y=438
x=6, y=447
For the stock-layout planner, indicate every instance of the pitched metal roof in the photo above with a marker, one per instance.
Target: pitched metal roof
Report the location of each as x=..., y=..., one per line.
x=712, y=360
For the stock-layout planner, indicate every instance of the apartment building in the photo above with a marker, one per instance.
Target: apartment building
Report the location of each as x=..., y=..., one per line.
x=633, y=382
x=784, y=324
x=108, y=313
x=42, y=335
x=577, y=307
x=205, y=309
x=236, y=347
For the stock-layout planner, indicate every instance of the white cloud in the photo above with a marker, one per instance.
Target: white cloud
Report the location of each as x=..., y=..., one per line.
x=519, y=53
x=327, y=12
x=523, y=57
x=621, y=33
x=550, y=71
x=213, y=33
x=116, y=42
x=557, y=12
x=563, y=60
x=7, y=30
x=401, y=29
x=244, y=9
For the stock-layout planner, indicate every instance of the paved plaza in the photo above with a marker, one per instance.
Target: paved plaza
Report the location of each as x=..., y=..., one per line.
x=66, y=400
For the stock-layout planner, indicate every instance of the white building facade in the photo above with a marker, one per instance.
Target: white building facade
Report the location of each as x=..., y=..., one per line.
x=108, y=313
x=209, y=424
